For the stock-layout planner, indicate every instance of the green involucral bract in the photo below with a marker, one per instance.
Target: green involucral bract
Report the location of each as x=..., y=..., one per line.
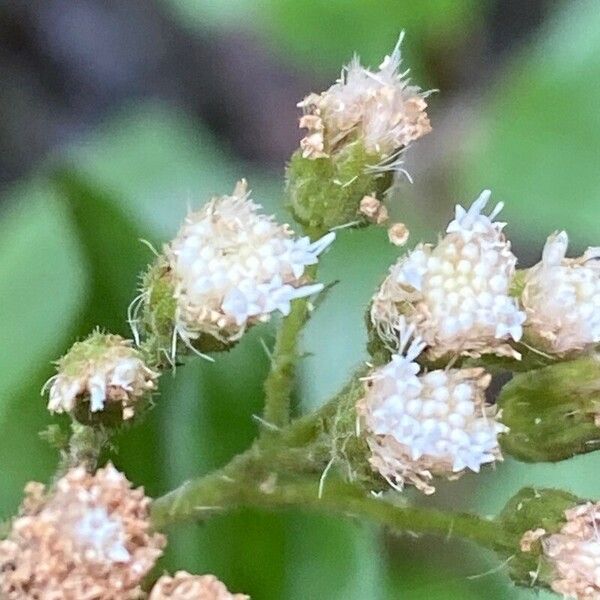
x=528, y=510
x=160, y=315
x=552, y=413
x=323, y=193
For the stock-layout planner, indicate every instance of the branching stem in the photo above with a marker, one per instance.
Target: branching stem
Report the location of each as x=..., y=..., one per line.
x=269, y=476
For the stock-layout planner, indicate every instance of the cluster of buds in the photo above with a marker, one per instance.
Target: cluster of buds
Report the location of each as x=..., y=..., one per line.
x=561, y=297
x=101, y=375
x=420, y=425
x=572, y=553
x=356, y=132
x=456, y=293
x=89, y=537
x=184, y=586
x=228, y=268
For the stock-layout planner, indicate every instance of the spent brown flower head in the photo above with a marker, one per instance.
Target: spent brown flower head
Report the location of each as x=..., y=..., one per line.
x=88, y=538
x=184, y=586
x=574, y=553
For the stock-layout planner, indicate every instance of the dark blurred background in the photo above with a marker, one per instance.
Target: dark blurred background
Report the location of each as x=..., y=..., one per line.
x=117, y=116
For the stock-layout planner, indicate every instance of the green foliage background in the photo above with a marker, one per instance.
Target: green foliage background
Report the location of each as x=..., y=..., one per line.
x=69, y=254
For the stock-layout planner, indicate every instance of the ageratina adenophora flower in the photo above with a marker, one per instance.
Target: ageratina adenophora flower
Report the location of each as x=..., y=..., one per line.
x=184, y=586
x=573, y=553
x=377, y=108
x=89, y=537
x=357, y=131
x=456, y=293
x=232, y=267
x=418, y=425
x=562, y=298
x=99, y=373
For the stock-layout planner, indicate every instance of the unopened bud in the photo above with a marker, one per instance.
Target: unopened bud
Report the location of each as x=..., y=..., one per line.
x=373, y=209
x=398, y=234
x=552, y=413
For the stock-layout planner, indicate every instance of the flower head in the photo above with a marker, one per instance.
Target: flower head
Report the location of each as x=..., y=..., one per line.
x=184, y=586
x=573, y=553
x=562, y=298
x=378, y=108
x=418, y=425
x=457, y=292
x=101, y=371
x=88, y=538
x=232, y=267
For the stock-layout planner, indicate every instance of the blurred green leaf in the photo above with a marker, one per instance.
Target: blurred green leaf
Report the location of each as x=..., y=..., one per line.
x=537, y=142
x=41, y=296
x=325, y=33
x=40, y=269
x=111, y=244
x=158, y=162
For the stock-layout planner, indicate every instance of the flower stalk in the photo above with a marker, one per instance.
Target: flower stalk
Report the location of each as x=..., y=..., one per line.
x=280, y=380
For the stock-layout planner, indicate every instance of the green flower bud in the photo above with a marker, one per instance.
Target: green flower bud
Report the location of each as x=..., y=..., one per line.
x=552, y=413
x=527, y=520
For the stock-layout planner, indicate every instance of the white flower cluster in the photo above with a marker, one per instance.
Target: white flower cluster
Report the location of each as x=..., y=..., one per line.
x=101, y=369
x=562, y=297
x=379, y=108
x=574, y=553
x=457, y=292
x=422, y=424
x=233, y=267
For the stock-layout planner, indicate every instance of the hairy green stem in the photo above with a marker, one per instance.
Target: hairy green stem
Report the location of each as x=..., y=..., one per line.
x=279, y=384
x=85, y=445
x=241, y=484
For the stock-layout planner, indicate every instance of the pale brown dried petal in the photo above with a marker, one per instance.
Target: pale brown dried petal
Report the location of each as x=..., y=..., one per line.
x=184, y=586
